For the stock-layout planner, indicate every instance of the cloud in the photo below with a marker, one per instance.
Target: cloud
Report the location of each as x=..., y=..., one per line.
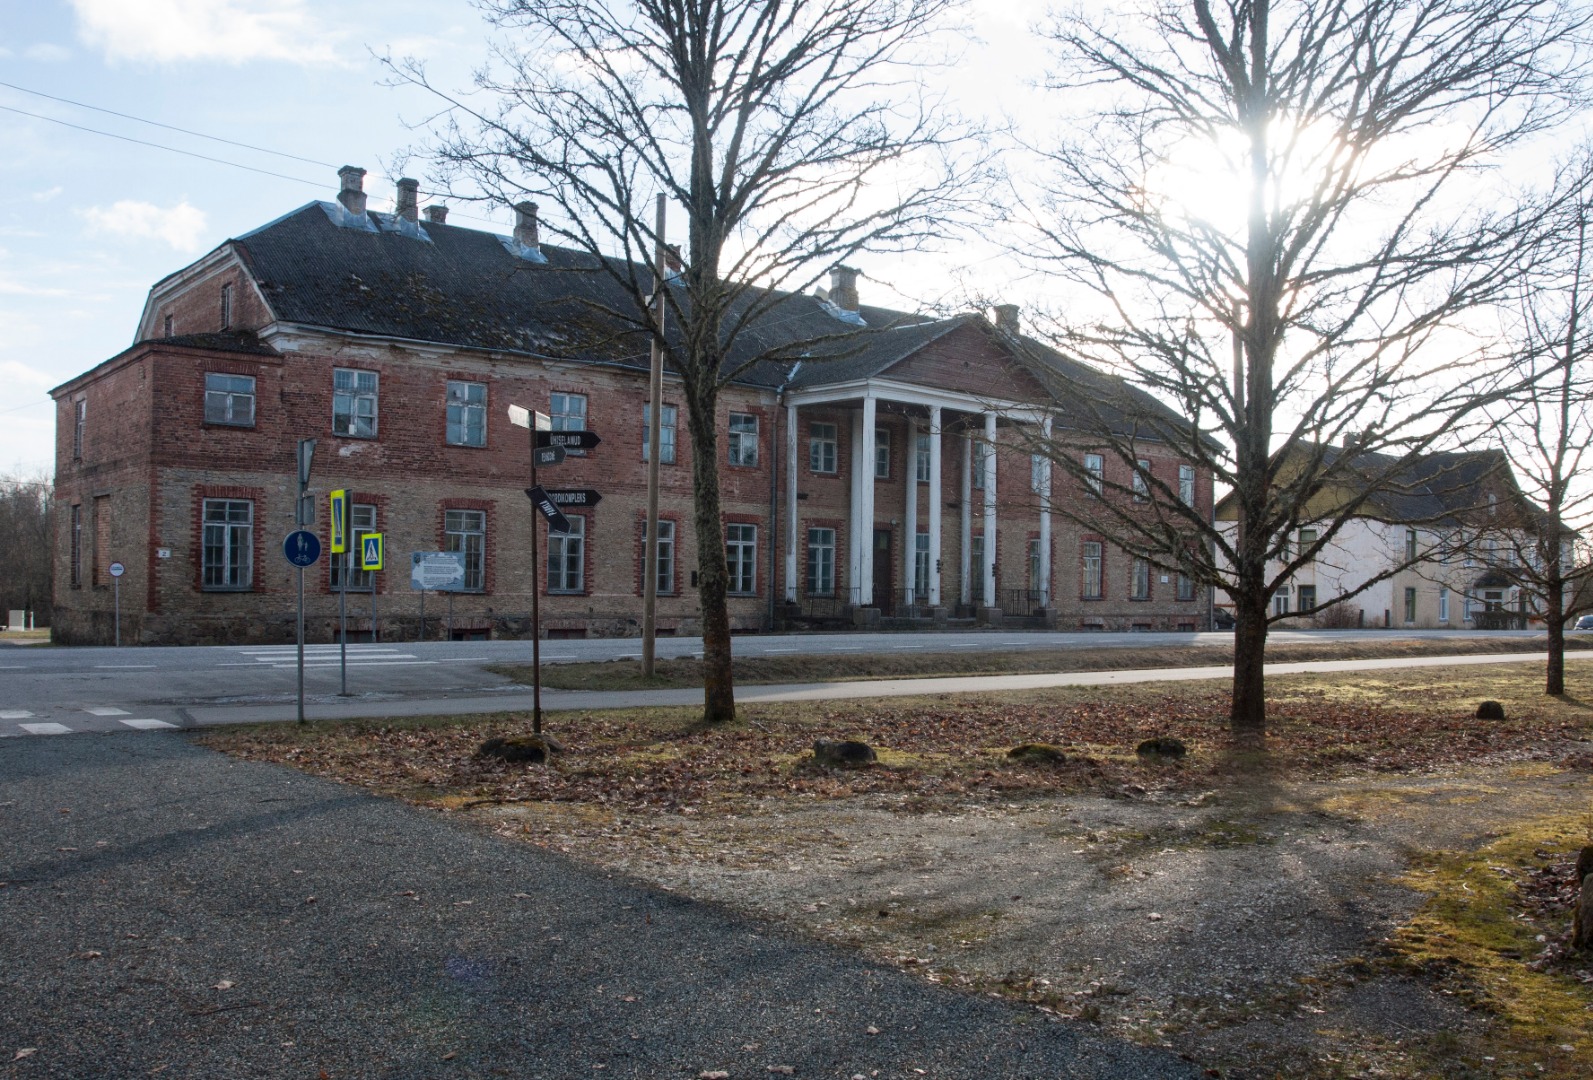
x=8, y=287
x=47, y=194
x=47, y=53
x=234, y=31
x=182, y=226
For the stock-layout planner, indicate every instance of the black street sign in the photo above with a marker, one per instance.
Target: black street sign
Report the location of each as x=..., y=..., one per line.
x=570, y=440
x=576, y=497
x=557, y=522
x=549, y=455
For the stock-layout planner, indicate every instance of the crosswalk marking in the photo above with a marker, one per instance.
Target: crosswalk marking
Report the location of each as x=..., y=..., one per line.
x=14, y=714
x=46, y=729
x=103, y=710
x=149, y=725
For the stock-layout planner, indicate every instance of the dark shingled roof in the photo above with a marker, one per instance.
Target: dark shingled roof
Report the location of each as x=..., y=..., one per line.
x=242, y=341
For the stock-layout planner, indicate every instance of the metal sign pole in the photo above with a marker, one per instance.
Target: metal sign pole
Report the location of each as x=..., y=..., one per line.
x=301, y=644
x=422, y=613
x=116, y=590
x=536, y=611
x=342, y=624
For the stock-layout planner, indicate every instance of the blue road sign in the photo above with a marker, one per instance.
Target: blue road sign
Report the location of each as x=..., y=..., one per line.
x=302, y=548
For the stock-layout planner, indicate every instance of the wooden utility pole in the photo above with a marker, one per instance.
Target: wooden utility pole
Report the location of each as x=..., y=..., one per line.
x=655, y=423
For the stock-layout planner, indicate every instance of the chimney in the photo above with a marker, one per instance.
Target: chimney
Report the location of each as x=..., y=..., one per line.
x=1007, y=318
x=409, y=199
x=437, y=214
x=672, y=261
x=525, y=225
x=353, y=194
x=843, y=288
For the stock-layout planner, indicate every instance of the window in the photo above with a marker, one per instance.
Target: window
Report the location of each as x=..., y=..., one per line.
x=1493, y=504
x=361, y=520
x=1307, y=538
x=921, y=566
x=1410, y=605
x=166, y=327
x=1467, y=607
x=1186, y=484
x=229, y=399
x=1140, y=589
x=921, y=449
x=1306, y=595
x=79, y=423
x=981, y=451
x=741, y=556
x=467, y=413
x=1280, y=601
x=228, y=554
x=976, y=567
x=1443, y=603
x=466, y=531
x=1186, y=586
x=101, y=574
x=567, y=557
x=568, y=413
x=226, y=307
x=666, y=437
x=743, y=439
x=1092, y=570
x=821, y=450
x=1037, y=473
x=1036, y=584
x=1410, y=545
x=354, y=403
x=882, y=454
x=1095, y=474
x=1141, y=480
x=666, y=551
x=821, y=560
x=77, y=545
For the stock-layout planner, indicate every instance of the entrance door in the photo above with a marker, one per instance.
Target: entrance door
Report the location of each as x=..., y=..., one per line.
x=883, y=594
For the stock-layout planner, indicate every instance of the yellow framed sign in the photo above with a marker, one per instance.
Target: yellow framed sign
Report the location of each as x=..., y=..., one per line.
x=371, y=551
x=339, y=521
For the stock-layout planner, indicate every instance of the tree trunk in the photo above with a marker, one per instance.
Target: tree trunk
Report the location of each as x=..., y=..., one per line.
x=719, y=696
x=1248, y=718
x=1554, y=675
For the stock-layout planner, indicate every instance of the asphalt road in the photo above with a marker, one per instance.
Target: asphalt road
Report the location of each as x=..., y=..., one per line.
x=169, y=912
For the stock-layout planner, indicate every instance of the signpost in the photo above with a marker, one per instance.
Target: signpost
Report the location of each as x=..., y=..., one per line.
x=370, y=562
x=569, y=440
x=117, y=570
x=436, y=571
x=301, y=548
x=557, y=522
x=339, y=513
x=548, y=455
x=585, y=498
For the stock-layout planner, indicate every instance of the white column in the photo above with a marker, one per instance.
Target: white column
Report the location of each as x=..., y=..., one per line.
x=1045, y=517
x=989, y=568
x=791, y=530
x=910, y=511
x=854, y=516
x=965, y=501
x=866, y=509
x=934, y=506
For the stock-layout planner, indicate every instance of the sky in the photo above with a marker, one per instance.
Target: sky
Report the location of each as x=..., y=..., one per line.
x=91, y=220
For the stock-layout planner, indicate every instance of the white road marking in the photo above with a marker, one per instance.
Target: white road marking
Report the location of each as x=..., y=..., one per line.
x=14, y=714
x=907, y=646
x=126, y=667
x=148, y=725
x=968, y=645
x=363, y=663
x=781, y=650
x=847, y=648
x=105, y=710
x=46, y=729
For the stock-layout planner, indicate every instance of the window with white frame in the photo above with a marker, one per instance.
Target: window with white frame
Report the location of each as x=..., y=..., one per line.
x=465, y=531
x=1186, y=586
x=362, y=520
x=1036, y=579
x=467, y=413
x=226, y=307
x=741, y=558
x=227, y=558
x=168, y=327
x=229, y=399
x=1140, y=589
x=821, y=562
x=77, y=545
x=666, y=434
x=79, y=425
x=981, y=452
x=921, y=566
x=1141, y=480
x=666, y=554
x=1037, y=472
x=1280, y=601
x=976, y=567
x=743, y=440
x=1090, y=556
x=1410, y=604
x=1306, y=596
x=822, y=456
x=1410, y=545
x=1186, y=484
x=567, y=412
x=567, y=558
x=1094, y=474
x=921, y=449
x=1443, y=603
x=882, y=453
x=354, y=403
x=1307, y=540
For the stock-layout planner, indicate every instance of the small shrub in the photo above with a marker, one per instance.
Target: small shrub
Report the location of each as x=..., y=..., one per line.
x=843, y=753
x=1033, y=753
x=1163, y=747
x=1490, y=710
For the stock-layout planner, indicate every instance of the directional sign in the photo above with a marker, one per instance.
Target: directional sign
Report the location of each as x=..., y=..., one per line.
x=302, y=548
x=521, y=417
x=437, y=571
x=339, y=521
x=570, y=440
x=549, y=455
x=583, y=497
x=557, y=522
x=116, y=569
x=370, y=551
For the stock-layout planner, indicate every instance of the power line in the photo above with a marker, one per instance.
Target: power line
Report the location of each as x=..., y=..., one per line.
x=168, y=127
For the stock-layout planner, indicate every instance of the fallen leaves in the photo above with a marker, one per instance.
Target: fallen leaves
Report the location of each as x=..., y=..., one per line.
x=26, y=1051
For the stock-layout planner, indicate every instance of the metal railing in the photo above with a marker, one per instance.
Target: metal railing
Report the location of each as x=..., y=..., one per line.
x=1021, y=602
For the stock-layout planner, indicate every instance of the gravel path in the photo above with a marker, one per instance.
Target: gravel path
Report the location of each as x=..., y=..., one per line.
x=167, y=911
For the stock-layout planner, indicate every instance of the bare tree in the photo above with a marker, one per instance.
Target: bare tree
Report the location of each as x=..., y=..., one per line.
x=794, y=135
x=25, y=538
x=1536, y=541
x=1283, y=212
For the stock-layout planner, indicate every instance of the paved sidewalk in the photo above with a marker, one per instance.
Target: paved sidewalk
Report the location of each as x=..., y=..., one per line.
x=574, y=700
x=170, y=912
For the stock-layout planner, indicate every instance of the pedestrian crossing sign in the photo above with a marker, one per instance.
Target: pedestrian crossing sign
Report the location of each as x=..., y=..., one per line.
x=371, y=551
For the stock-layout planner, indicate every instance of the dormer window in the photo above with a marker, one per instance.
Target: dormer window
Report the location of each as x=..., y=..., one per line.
x=166, y=328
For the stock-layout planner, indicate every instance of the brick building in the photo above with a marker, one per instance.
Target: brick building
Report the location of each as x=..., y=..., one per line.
x=851, y=485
